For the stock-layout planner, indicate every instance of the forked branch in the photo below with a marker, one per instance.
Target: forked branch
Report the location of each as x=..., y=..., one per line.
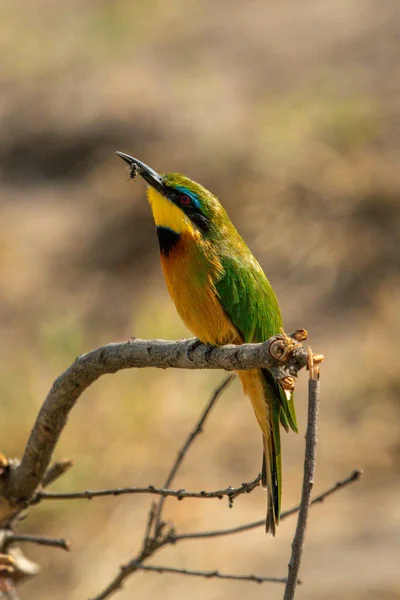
x=282, y=354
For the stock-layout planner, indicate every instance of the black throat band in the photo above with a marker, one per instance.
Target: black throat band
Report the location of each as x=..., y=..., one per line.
x=167, y=239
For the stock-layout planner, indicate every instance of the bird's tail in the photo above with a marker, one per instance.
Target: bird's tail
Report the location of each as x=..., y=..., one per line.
x=272, y=410
x=271, y=479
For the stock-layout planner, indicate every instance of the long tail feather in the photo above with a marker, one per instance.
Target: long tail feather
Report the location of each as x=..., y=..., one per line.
x=271, y=480
x=272, y=454
x=268, y=409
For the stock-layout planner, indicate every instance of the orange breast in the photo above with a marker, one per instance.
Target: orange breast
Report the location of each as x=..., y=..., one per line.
x=190, y=274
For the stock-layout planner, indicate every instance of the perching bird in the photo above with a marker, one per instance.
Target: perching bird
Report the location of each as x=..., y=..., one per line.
x=223, y=296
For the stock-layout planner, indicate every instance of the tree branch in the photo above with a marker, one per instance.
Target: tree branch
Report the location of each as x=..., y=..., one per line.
x=282, y=354
x=154, y=537
x=177, y=537
x=55, y=471
x=198, y=428
x=41, y=540
x=308, y=481
x=209, y=574
x=137, y=565
x=229, y=492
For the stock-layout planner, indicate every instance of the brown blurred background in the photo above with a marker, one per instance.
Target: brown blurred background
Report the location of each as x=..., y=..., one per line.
x=290, y=113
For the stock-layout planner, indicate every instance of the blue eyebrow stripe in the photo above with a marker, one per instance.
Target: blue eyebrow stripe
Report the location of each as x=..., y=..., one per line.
x=193, y=196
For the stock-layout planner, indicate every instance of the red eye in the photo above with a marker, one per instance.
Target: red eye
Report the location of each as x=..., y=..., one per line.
x=185, y=200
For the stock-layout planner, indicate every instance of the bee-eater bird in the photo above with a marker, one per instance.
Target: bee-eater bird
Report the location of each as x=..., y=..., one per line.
x=223, y=296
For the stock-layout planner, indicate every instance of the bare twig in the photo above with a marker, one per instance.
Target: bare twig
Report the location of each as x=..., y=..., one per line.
x=308, y=481
x=197, y=429
x=210, y=574
x=229, y=492
x=188, y=354
x=284, y=357
x=154, y=537
x=55, y=471
x=189, y=441
x=117, y=583
x=177, y=537
x=137, y=565
x=149, y=524
x=354, y=476
x=13, y=538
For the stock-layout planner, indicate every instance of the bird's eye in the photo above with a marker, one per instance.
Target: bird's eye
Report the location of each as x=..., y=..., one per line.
x=185, y=200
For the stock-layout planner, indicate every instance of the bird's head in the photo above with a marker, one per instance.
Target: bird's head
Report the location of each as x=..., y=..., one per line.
x=177, y=202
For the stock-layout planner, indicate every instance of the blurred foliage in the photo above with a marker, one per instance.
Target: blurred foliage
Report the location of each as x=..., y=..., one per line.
x=289, y=112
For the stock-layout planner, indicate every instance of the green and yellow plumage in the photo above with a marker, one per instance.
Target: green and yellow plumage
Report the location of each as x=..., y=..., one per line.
x=223, y=296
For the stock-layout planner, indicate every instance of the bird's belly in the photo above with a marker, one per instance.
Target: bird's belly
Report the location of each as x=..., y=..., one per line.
x=197, y=303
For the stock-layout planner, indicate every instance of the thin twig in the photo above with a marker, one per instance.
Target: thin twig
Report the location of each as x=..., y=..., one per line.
x=354, y=476
x=153, y=542
x=177, y=537
x=197, y=429
x=229, y=492
x=149, y=524
x=188, y=442
x=136, y=565
x=210, y=574
x=55, y=471
x=36, y=539
x=187, y=354
x=308, y=481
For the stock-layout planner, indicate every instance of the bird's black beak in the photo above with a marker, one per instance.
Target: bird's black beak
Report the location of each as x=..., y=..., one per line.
x=137, y=166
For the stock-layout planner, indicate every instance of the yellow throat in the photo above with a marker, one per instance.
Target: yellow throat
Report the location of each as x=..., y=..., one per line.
x=167, y=214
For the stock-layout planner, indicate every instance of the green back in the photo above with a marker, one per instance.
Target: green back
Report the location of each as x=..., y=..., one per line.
x=248, y=298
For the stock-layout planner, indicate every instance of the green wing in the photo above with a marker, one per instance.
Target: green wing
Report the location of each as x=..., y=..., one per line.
x=248, y=298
